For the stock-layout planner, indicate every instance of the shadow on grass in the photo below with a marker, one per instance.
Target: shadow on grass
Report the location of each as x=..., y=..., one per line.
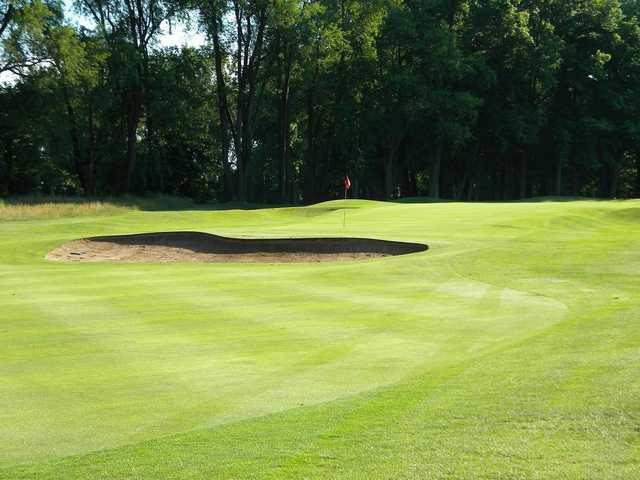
x=521, y=200
x=170, y=203
x=556, y=198
x=423, y=200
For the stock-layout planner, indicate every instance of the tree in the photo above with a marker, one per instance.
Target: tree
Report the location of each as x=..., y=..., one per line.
x=239, y=56
x=129, y=29
x=23, y=27
x=465, y=99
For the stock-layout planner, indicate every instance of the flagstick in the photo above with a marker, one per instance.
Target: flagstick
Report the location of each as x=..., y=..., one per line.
x=344, y=212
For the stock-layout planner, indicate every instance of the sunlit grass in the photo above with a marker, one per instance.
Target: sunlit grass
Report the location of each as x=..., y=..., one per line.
x=507, y=351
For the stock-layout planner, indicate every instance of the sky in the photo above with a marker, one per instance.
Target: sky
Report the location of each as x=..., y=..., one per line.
x=180, y=34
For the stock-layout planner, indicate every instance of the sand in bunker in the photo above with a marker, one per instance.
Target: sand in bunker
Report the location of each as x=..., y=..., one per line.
x=204, y=247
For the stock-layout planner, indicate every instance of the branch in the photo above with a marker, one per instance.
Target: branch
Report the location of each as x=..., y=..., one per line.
x=131, y=20
x=7, y=18
x=257, y=49
x=17, y=67
x=234, y=132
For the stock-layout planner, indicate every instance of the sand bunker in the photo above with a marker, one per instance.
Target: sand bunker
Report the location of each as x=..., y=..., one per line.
x=204, y=247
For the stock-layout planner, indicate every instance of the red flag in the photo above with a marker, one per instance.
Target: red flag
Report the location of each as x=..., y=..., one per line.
x=346, y=183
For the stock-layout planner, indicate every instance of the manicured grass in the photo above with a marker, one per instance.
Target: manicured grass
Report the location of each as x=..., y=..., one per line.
x=511, y=349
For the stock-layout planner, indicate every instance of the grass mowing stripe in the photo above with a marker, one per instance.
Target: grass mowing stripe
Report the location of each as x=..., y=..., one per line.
x=508, y=350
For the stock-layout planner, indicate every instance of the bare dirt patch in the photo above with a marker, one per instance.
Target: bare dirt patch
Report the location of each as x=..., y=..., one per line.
x=204, y=247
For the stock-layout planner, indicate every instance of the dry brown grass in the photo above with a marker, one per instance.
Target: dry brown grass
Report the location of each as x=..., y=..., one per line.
x=29, y=209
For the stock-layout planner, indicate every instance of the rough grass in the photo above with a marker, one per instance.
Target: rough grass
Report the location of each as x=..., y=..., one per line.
x=509, y=350
x=29, y=209
x=37, y=207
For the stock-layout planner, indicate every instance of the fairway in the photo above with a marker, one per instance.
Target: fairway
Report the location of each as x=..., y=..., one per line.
x=509, y=350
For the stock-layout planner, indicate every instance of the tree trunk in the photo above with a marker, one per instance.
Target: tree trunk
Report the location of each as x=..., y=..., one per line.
x=408, y=180
x=6, y=176
x=75, y=142
x=434, y=180
x=558, y=180
x=613, y=180
x=284, y=129
x=133, y=117
x=223, y=113
x=248, y=65
x=245, y=154
x=388, y=172
x=91, y=170
x=309, y=161
x=459, y=189
x=609, y=171
x=522, y=184
x=227, y=174
x=156, y=169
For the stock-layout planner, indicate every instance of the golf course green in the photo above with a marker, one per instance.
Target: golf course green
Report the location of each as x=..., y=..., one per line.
x=509, y=350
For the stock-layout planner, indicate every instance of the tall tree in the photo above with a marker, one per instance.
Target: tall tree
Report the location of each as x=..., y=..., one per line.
x=239, y=57
x=129, y=29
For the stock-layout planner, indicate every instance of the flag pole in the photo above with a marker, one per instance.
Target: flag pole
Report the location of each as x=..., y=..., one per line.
x=344, y=211
x=347, y=184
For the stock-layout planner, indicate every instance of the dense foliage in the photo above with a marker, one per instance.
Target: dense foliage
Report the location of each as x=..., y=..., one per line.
x=466, y=99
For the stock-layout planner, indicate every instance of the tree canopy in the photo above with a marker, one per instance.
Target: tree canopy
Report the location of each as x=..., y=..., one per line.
x=464, y=99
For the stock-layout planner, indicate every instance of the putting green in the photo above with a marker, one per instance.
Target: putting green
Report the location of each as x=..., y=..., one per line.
x=510, y=349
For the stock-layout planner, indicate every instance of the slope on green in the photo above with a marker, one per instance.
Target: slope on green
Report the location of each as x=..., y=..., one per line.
x=509, y=350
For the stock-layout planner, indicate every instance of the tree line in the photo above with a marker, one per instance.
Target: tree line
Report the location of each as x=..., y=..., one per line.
x=461, y=99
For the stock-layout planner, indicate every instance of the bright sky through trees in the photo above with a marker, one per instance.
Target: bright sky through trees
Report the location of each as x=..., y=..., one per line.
x=177, y=35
